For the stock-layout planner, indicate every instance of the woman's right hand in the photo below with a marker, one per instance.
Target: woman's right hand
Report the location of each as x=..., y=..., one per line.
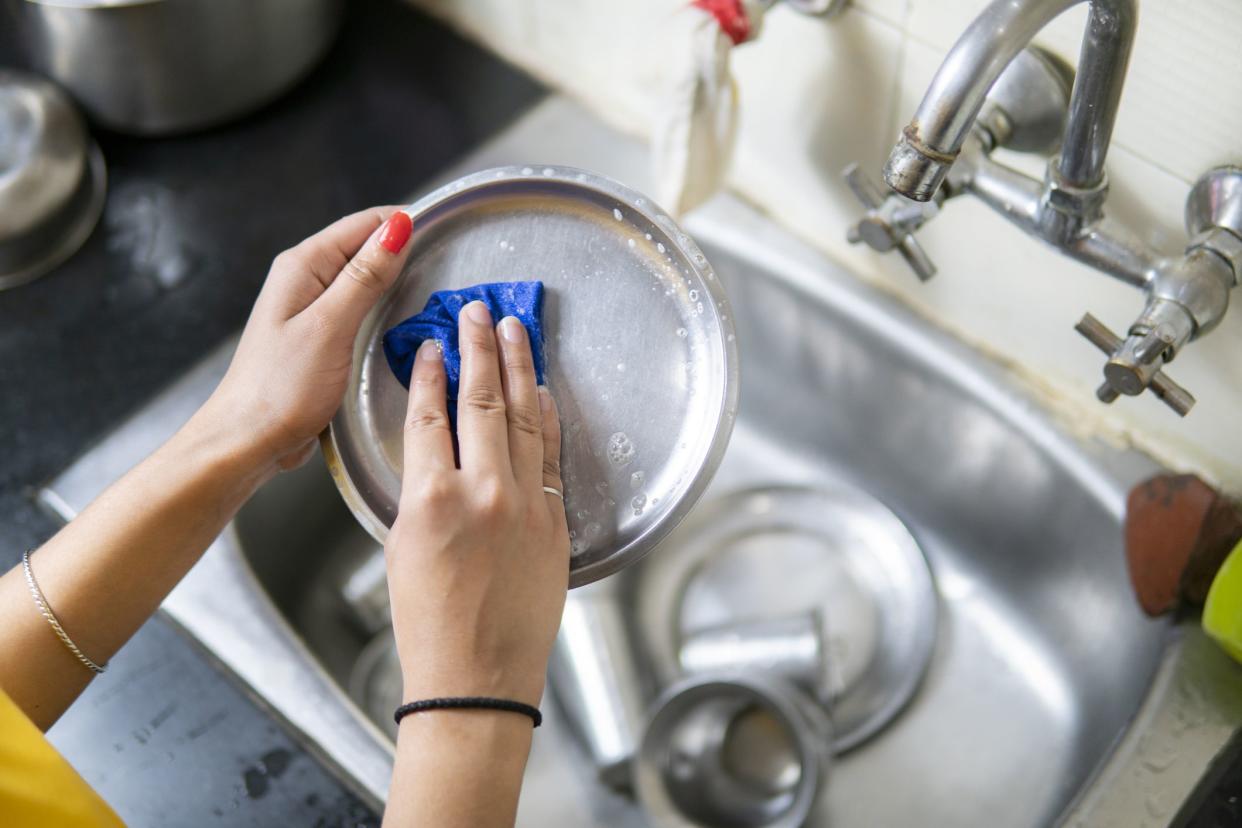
x=478, y=559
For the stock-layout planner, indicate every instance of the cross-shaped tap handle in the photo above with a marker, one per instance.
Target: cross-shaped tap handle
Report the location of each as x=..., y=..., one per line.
x=889, y=224
x=1147, y=350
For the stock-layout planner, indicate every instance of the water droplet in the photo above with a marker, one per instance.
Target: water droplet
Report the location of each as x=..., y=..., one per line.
x=504, y=245
x=647, y=236
x=592, y=529
x=682, y=332
x=616, y=213
x=660, y=246
x=699, y=307
x=694, y=295
x=549, y=171
x=621, y=366
x=527, y=171
x=602, y=487
x=641, y=202
x=621, y=449
x=631, y=242
x=731, y=337
x=583, y=514
x=639, y=501
x=636, y=480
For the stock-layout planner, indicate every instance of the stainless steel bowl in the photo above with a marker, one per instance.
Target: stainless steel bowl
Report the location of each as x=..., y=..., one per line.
x=162, y=66
x=52, y=178
x=639, y=347
x=733, y=751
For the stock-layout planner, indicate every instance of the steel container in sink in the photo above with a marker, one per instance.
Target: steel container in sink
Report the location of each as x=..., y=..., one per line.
x=164, y=66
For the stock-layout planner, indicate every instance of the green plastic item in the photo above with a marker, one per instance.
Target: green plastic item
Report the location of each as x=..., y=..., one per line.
x=1222, y=614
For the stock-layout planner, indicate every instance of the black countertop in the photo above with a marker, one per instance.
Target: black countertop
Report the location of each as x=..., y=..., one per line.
x=189, y=229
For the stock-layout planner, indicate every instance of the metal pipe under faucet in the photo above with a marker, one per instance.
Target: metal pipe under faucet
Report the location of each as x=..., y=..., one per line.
x=931, y=142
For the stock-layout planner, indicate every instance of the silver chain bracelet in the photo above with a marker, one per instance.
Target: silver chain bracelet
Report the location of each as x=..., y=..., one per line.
x=46, y=612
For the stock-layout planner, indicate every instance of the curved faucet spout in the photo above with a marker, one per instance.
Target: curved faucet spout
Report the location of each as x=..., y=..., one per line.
x=931, y=142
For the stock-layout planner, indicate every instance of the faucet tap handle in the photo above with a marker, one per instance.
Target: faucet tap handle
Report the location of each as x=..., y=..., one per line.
x=890, y=223
x=1136, y=370
x=865, y=190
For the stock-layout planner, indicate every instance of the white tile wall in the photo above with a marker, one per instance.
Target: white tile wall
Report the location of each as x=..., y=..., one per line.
x=816, y=95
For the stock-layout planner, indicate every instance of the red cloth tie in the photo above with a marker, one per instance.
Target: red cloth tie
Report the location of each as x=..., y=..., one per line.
x=730, y=15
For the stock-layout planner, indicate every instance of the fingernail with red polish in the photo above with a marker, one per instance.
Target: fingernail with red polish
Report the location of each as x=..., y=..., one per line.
x=396, y=231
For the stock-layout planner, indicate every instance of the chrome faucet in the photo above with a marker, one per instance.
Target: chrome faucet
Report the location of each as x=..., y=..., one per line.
x=995, y=90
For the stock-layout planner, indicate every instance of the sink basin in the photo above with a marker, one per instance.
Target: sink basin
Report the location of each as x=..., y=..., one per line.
x=1042, y=658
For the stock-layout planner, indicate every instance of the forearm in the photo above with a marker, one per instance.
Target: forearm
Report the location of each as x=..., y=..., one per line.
x=106, y=572
x=458, y=768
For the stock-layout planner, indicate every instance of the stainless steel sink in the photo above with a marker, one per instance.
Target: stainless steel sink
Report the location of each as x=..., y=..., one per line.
x=1042, y=659
x=1042, y=655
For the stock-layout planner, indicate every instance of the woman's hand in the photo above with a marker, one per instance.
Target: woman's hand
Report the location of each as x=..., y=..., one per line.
x=478, y=566
x=108, y=570
x=292, y=364
x=478, y=559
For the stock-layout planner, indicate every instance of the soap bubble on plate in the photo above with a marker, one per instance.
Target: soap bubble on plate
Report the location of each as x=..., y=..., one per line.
x=621, y=449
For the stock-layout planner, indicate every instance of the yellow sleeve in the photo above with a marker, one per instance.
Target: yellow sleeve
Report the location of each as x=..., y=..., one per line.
x=38, y=788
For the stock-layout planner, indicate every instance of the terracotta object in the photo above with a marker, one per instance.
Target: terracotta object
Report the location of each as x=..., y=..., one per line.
x=1178, y=532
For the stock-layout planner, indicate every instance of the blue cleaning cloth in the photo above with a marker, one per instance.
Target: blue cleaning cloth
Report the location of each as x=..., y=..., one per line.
x=438, y=321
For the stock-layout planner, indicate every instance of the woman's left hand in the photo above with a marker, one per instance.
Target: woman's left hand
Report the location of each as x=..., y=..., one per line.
x=292, y=365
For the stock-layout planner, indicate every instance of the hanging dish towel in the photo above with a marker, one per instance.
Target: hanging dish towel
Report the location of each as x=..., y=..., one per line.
x=696, y=118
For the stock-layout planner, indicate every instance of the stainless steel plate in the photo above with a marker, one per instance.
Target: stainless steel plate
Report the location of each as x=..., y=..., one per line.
x=638, y=340
x=766, y=553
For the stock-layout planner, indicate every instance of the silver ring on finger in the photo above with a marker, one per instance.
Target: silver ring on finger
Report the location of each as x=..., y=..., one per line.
x=555, y=492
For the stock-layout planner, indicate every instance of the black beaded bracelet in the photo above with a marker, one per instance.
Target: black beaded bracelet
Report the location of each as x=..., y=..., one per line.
x=469, y=703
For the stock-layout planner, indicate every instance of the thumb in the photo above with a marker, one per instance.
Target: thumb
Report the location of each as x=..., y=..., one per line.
x=365, y=277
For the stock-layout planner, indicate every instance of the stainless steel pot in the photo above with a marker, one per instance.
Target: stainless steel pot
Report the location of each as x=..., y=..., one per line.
x=161, y=66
